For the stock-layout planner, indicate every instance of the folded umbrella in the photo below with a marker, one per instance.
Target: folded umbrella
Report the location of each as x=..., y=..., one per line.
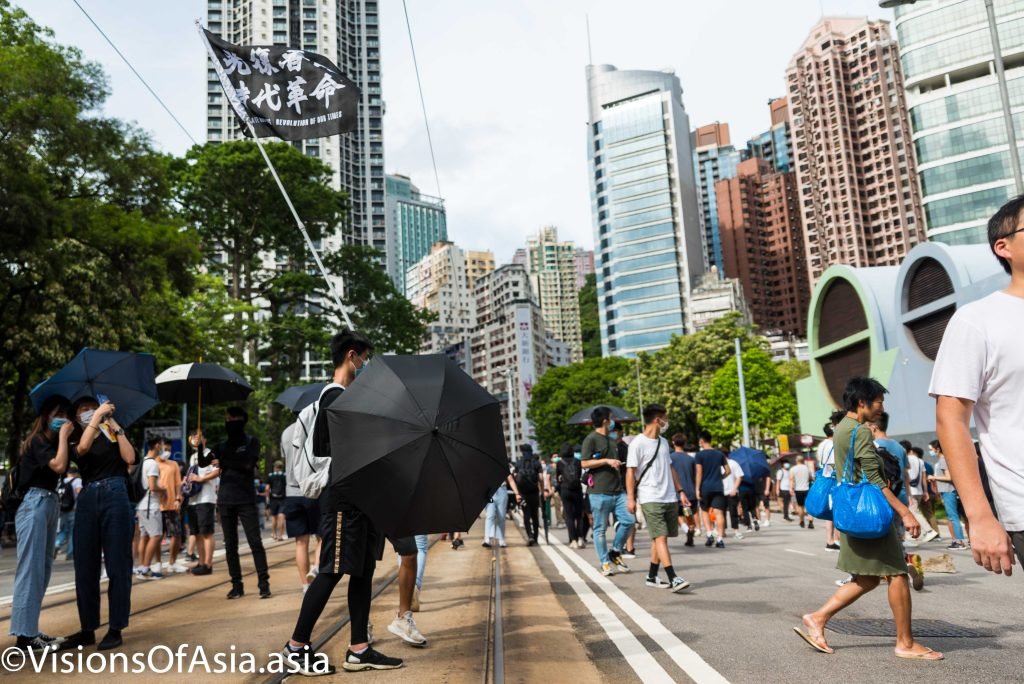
x=417, y=445
x=301, y=396
x=126, y=378
x=619, y=415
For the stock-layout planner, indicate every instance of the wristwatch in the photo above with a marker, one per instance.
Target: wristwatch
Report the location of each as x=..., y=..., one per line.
x=119, y=432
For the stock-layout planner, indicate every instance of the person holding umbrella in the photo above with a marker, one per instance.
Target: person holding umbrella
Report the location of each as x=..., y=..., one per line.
x=42, y=459
x=104, y=521
x=350, y=544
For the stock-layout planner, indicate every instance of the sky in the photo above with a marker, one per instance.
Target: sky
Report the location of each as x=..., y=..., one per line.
x=503, y=81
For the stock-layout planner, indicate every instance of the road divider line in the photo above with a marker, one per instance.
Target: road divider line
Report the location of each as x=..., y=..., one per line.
x=802, y=553
x=688, y=660
x=643, y=663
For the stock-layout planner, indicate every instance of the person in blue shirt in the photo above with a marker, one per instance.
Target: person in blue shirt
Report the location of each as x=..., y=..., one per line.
x=685, y=466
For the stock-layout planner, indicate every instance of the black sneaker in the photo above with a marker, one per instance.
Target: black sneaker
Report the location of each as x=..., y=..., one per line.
x=370, y=660
x=720, y=544
x=689, y=538
x=710, y=541
x=83, y=638
x=757, y=526
x=236, y=592
x=307, y=662
x=802, y=524
x=202, y=570
x=486, y=545
x=36, y=643
x=111, y=640
x=810, y=525
x=265, y=593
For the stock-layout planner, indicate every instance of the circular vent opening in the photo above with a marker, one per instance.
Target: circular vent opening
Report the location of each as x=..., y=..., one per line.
x=842, y=314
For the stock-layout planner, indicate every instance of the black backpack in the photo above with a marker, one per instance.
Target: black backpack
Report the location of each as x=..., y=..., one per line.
x=136, y=490
x=527, y=474
x=891, y=470
x=12, y=494
x=571, y=474
x=66, y=493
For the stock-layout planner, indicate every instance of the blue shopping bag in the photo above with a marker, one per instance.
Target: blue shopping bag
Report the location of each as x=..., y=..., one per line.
x=859, y=509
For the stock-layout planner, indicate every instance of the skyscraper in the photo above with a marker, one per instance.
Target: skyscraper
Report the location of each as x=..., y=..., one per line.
x=584, y=266
x=415, y=222
x=851, y=147
x=714, y=158
x=552, y=268
x=347, y=33
x=762, y=244
x=647, y=231
x=963, y=158
x=775, y=144
x=438, y=282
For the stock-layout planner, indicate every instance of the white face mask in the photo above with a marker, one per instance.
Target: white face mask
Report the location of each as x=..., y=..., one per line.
x=663, y=428
x=164, y=455
x=85, y=417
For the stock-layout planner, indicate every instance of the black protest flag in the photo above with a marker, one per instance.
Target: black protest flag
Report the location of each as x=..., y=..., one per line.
x=285, y=92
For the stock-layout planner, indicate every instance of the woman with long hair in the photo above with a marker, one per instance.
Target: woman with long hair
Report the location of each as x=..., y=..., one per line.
x=103, y=521
x=42, y=460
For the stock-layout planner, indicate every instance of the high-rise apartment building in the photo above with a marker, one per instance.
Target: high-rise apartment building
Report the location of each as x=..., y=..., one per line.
x=714, y=158
x=647, y=232
x=415, y=223
x=714, y=296
x=762, y=244
x=509, y=342
x=552, y=268
x=963, y=158
x=584, y=265
x=438, y=282
x=775, y=144
x=859, y=201
x=346, y=32
x=478, y=264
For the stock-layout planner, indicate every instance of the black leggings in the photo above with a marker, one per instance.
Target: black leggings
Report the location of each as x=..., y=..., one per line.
x=360, y=590
x=531, y=514
x=572, y=508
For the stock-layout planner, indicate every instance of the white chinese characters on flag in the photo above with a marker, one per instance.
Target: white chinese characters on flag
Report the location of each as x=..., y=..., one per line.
x=284, y=92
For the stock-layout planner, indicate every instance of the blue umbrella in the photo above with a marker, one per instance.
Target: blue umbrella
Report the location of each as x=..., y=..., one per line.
x=126, y=378
x=754, y=463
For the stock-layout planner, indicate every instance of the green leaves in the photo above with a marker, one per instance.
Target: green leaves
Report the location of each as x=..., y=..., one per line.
x=590, y=323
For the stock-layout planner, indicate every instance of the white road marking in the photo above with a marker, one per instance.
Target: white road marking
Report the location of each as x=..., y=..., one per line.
x=642, y=662
x=685, y=657
x=802, y=553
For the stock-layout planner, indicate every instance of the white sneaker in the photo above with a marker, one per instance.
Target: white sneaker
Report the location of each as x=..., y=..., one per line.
x=656, y=583
x=179, y=568
x=932, y=534
x=572, y=544
x=404, y=627
x=738, y=535
x=581, y=544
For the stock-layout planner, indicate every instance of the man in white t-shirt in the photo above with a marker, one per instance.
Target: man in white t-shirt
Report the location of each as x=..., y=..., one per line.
x=800, y=477
x=980, y=370
x=784, y=490
x=651, y=480
x=151, y=525
x=731, y=487
x=201, y=506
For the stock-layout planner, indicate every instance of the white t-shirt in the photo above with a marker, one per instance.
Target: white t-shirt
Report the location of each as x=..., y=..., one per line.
x=152, y=499
x=827, y=457
x=980, y=359
x=656, y=486
x=801, y=475
x=915, y=466
x=783, y=477
x=731, y=481
x=208, y=491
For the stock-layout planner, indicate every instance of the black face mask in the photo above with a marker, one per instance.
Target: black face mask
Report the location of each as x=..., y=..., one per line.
x=235, y=428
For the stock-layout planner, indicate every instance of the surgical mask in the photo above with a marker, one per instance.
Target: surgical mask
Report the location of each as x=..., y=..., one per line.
x=360, y=369
x=164, y=455
x=932, y=453
x=85, y=417
x=611, y=425
x=57, y=423
x=578, y=456
x=613, y=435
x=785, y=466
x=663, y=428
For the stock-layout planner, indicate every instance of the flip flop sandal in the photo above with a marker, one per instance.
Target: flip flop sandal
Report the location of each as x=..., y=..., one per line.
x=812, y=642
x=923, y=655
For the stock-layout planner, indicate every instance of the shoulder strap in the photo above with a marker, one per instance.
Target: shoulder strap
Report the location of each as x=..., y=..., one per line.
x=848, y=471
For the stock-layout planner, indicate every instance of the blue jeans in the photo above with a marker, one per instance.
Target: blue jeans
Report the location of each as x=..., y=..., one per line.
x=604, y=505
x=104, y=524
x=36, y=526
x=949, y=500
x=65, y=533
x=422, y=544
x=494, y=522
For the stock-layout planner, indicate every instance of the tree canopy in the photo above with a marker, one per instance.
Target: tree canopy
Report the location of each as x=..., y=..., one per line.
x=590, y=322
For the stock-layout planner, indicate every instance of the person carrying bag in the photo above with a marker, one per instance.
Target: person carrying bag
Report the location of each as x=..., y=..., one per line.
x=859, y=509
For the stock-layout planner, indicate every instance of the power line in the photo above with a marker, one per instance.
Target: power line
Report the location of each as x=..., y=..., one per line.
x=423, y=102
x=137, y=74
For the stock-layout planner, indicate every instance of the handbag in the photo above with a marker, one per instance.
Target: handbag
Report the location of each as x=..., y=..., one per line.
x=819, y=499
x=859, y=509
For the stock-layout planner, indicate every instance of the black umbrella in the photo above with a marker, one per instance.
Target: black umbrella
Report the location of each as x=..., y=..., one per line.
x=619, y=415
x=199, y=382
x=301, y=396
x=417, y=445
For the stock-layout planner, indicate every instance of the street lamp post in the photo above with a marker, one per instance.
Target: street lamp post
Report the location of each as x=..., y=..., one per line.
x=511, y=415
x=1004, y=93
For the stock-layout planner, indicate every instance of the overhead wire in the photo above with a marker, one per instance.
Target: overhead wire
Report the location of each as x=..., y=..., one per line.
x=137, y=74
x=423, y=102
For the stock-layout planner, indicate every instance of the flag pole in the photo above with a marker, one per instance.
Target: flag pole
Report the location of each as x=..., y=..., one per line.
x=225, y=83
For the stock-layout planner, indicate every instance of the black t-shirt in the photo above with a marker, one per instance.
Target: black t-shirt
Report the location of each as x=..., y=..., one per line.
x=711, y=461
x=103, y=460
x=278, y=483
x=237, y=469
x=35, y=464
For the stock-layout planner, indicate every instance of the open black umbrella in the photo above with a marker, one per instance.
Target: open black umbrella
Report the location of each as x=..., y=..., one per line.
x=417, y=445
x=619, y=415
x=299, y=397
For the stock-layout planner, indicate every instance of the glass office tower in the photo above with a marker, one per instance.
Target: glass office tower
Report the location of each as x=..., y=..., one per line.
x=963, y=158
x=647, y=230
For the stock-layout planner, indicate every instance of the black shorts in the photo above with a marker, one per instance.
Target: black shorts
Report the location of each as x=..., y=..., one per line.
x=800, y=498
x=349, y=544
x=172, y=524
x=201, y=518
x=276, y=507
x=404, y=546
x=714, y=500
x=301, y=516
